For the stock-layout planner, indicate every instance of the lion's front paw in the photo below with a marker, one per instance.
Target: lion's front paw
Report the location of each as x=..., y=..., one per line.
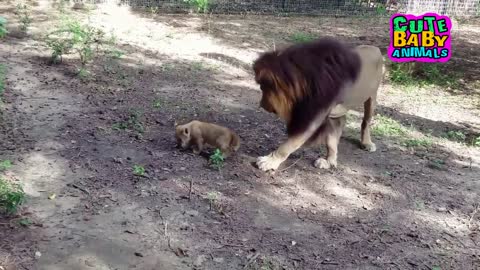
x=267, y=163
x=322, y=163
x=370, y=147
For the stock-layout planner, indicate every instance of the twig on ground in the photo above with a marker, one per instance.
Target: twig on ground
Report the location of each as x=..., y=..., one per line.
x=252, y=259
x=231, y=245
x=190, y=191
x=80, y=188
x=472, y=216
x=293, y=164
x=329, y=262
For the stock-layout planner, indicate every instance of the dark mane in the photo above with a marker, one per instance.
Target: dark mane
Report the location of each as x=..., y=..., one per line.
x=312, y=75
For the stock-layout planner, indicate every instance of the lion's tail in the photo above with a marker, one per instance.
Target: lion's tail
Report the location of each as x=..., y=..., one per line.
x=235, y=142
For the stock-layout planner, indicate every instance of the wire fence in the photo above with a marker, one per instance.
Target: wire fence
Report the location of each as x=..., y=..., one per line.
x=457, y=8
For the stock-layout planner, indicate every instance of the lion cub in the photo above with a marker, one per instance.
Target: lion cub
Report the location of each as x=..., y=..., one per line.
x=197, y=134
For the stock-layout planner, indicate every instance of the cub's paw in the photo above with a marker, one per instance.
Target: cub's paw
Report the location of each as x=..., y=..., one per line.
x=267, y=163
x=370, y=147
x=322, y=163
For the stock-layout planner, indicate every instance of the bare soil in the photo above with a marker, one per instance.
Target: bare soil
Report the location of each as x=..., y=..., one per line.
x=397, y=208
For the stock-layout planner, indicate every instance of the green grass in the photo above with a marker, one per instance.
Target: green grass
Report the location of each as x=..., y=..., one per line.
x=416, y=142
x=412, y=74
x=132, y=123
x=158, y=103
x=216, y=159
x=3, y=27
x=138, y=170
x=388, y=127
x=300, y=37
x=5, y=165
x=455, y=135
x=476, y=142
x=200, y=5
x=11, y=197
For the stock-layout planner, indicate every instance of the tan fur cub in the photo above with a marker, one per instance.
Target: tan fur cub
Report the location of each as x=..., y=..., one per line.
x=197, y=134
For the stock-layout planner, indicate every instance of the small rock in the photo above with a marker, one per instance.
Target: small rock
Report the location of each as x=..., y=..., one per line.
x=182, y=168
x=218, y=260
x=442, y=209
x=138, y=254
x=89, y=263
x=38, y=254
x=192, y=213
x=199, y=260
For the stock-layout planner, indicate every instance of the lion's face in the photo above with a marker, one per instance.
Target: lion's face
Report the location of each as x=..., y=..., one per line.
x=182, y=135
x=273, y=100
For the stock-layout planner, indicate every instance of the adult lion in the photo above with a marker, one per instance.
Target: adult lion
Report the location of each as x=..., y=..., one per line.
x=311, y=87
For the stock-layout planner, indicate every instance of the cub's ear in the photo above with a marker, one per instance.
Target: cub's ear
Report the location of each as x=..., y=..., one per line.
x=186, y=131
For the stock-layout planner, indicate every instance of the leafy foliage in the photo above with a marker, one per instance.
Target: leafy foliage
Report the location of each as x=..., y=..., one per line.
x=11, y=196
x=201, y=5
x=216, y=159
x=138, y=170
x=3, y=27
x=23, y=13
x=82, y=39
x=422, y=74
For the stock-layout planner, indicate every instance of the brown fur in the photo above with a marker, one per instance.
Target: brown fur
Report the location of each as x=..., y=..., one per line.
x=197, y=134
x=311, y=87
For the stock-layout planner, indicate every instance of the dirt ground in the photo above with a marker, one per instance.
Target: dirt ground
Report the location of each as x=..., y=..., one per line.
x=391, y=209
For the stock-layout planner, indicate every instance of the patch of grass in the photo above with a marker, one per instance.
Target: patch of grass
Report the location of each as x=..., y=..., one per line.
x=413, y=74
x=25, y=222
x=11, y=197
x=3, y=27
x=381, y=9
x=138, y=170
x=419, y=205
x=23, y=14
x=300, y=37
x=437, y=164
x=264, y=263
x=216, y=159
x=87, y=41
x=200, y=5
x=212, y=198
x=133, y=123
x=476, y=142
x=153, y=10
x=416, y=142
x=202, y=66
x=3, y=75
x=455, y=135
x=5, y=165
x=115, y=54
x=158, y=103
x=388, y=127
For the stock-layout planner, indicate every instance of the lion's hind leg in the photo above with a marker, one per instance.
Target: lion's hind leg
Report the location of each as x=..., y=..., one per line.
x=332, y=139
x=366, y=140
